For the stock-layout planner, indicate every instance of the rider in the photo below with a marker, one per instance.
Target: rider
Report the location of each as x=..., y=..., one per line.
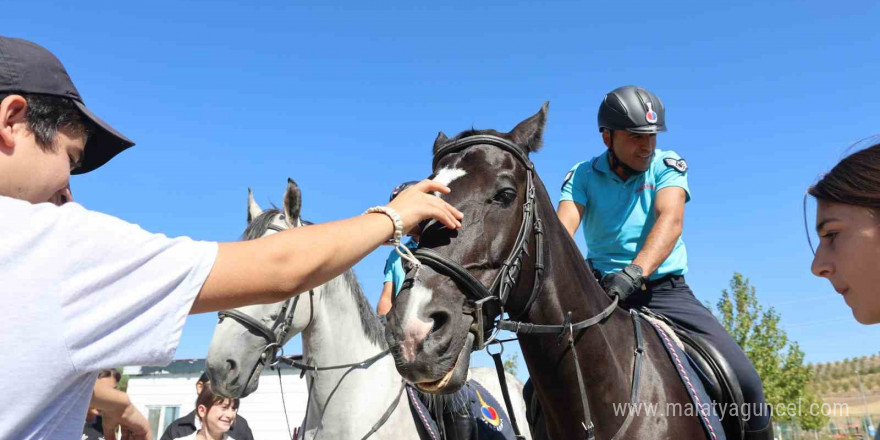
x=630, y=200
x=394, y=273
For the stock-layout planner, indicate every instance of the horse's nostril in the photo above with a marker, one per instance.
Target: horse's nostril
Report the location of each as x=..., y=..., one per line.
x=231, y=364
x=439, y=319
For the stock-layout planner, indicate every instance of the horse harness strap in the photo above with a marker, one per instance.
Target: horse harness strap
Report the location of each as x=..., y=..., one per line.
x=294, y=361
x=387, y=413
x=507, y=277
x=273, y=340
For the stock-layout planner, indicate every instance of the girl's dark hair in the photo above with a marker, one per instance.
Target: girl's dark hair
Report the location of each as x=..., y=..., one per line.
x=47, y=115
x=209, y=399
x=853, y=181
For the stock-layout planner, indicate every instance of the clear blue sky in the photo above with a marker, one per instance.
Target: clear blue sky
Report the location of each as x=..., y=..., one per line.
x=346, y=98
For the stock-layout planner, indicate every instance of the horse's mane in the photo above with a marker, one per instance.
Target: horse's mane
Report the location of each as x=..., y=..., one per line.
x=373, y=329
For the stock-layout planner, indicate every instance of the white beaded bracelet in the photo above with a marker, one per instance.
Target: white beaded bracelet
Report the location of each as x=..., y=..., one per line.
x=395, y=218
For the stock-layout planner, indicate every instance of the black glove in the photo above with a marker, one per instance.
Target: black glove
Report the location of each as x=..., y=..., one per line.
x=624, y=283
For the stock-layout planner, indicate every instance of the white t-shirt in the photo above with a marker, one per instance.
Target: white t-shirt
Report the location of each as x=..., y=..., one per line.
x=82, y=291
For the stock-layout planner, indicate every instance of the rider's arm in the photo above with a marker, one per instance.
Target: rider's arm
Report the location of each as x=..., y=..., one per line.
x=385, y=300
x=570, y=214
x=669, y=209
x=281, y=265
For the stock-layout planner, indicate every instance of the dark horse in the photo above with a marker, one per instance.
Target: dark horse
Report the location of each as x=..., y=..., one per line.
x=434, y=324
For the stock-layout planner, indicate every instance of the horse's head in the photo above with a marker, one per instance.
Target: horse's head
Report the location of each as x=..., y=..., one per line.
x=438, y=317
x=248, y=338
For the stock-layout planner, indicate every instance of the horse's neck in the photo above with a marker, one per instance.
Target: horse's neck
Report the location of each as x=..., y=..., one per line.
x=569, y=286
x=336, y=335
x=342, y=405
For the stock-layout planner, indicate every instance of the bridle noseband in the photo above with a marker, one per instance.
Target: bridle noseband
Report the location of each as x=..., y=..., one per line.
x=485, y=305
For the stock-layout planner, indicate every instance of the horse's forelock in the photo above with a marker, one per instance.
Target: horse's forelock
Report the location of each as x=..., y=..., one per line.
x=258, y=226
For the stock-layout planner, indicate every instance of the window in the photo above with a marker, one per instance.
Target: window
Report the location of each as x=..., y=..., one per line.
x=165, y=414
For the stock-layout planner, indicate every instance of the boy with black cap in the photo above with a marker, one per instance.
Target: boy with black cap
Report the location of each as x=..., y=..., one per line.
x=96, y=292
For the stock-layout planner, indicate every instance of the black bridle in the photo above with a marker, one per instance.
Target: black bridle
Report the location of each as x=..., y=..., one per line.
x=487, y=304
x=478, y=296
x=274, y=339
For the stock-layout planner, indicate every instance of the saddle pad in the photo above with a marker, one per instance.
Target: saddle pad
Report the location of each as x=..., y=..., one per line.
x=702, y=405
x=491, y=420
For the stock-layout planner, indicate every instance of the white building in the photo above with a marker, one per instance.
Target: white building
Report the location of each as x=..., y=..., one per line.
x=163, y=394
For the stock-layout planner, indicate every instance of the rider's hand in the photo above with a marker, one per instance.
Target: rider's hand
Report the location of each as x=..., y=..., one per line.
x=624, y=283
x=132, y=423
x=416, y=204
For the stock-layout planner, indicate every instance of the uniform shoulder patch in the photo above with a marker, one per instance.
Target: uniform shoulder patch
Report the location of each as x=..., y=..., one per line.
x=678, y=164
x=567, y=178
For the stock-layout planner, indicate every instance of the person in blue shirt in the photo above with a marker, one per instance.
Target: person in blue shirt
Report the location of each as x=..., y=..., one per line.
x=630, y=201
x=394, y=272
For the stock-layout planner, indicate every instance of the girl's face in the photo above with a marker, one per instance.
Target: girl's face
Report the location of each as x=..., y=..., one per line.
x=218, y=419
x=848, y=256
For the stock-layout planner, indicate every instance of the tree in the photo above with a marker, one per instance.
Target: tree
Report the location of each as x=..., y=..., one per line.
x=510, y=363
x=779, y=363
x=812, y=418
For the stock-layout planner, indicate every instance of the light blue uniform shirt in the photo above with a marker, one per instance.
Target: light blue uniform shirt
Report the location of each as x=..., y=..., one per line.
x=619, y=215
x=394, y=267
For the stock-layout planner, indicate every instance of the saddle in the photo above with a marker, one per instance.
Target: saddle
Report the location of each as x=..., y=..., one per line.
x=715, y=373
x=469, y=414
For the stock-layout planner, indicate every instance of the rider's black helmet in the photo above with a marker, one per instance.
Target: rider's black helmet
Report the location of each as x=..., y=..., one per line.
x=633, y=109
x=399, y=188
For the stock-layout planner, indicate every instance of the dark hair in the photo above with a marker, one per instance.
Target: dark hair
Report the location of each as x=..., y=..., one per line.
x=204, y=377
x=209, y=399
x=110, y=372
x=47, y=115
x=853, y=181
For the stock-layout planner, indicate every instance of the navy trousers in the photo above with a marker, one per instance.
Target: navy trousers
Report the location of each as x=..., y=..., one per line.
x=673, y=298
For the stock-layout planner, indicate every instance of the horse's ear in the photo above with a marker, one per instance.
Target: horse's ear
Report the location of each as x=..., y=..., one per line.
x=441, y=139
x=292, y=203
x=254, y=210
x=530, y=132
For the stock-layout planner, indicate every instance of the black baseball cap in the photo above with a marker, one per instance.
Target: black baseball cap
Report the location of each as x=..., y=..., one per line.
x=26, y=67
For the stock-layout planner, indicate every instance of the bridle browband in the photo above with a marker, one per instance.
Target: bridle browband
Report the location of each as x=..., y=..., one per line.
x=478, y=296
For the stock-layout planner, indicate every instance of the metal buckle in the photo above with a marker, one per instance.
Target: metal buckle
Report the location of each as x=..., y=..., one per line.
x=477, y=326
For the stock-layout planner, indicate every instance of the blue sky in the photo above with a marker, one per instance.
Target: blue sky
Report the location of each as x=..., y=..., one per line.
x=347, y=97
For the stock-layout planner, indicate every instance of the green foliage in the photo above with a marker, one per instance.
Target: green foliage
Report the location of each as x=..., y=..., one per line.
x=510, y=363
x=756, y=329
x=813, y=420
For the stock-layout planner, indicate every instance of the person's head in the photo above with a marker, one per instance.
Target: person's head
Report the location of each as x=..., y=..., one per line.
x=215, y=412
x=629, y=119
x=848, y=224
x=399, y=189
x=46, y=132
x=109, y=377
x=202, y=383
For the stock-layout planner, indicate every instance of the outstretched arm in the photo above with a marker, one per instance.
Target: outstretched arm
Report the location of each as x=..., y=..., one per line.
x=279, y=266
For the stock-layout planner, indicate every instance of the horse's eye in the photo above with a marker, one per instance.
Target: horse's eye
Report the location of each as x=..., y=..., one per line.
x=505, y=196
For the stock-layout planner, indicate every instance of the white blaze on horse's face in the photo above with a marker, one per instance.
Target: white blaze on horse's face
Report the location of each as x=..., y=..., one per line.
x=447, y=175
x=414, y=329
